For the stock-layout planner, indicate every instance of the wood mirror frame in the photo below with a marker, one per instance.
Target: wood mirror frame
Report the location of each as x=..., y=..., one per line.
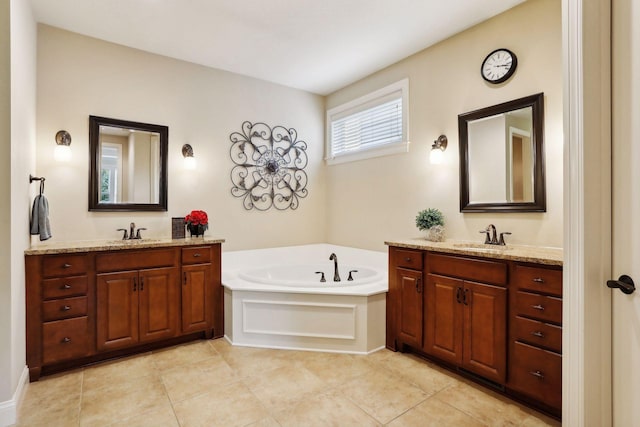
x=538, y=204
x=95, y=160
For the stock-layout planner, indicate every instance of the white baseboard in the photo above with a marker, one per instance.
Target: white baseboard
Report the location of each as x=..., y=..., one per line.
x=9, y=408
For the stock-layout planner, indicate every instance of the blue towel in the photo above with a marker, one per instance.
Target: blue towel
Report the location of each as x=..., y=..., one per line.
x=40, y=218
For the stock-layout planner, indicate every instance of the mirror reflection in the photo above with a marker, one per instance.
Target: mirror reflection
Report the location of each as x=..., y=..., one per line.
x=501, y=157
x=503, y=138
x=129, y=165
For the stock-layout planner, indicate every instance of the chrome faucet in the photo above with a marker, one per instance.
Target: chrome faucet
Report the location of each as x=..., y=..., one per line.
x=336, y=276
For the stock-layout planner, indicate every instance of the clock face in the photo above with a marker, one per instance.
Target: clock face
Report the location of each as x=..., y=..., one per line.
x=498, y=66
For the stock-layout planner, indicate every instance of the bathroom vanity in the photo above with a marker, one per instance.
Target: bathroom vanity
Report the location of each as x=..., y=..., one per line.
x=93, y=301
x=489, y=313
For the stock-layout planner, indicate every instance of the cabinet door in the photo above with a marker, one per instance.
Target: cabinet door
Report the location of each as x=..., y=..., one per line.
x=117, y=316
x=158, y=307
x=485, y=330
x=443, y=320
x=411, y=306
x=197, y=302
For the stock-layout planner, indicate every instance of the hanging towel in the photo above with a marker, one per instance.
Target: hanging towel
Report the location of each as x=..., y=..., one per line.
x=40, y=218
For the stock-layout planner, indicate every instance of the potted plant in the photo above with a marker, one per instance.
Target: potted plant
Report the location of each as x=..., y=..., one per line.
x=432, y=221
x=197, y=222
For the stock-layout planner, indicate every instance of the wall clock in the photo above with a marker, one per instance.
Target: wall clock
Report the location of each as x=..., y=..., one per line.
x=499, y=65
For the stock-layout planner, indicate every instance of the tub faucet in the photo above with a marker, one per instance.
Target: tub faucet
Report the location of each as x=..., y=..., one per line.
x=336, y=276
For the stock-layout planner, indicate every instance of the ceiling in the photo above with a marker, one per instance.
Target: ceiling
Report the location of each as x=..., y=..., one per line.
x=315, y=45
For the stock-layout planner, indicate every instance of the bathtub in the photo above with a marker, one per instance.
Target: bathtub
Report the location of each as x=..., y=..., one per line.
x=274, y=298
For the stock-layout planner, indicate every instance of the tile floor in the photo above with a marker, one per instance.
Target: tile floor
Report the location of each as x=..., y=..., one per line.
x=211, y=383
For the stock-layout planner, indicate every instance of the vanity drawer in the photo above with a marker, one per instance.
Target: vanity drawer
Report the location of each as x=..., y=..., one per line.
x=136, y=260
x=539, y=307
x=478, y=270
x=64, y=287
x=65, y=339
x=64, y=265
x=196, y=255
x=538, y=279
x=64, y=308
x=407, y=258
x=538, y=333
x=537, y=373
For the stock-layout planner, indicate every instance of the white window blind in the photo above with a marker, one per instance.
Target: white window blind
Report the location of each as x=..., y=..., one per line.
x=370, y=124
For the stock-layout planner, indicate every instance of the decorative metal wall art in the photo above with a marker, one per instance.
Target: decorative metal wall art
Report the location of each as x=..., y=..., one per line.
x=269, y=167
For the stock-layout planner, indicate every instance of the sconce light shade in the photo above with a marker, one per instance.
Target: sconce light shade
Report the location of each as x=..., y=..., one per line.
x=189, y=160
x=436, y=156
x=62, y=152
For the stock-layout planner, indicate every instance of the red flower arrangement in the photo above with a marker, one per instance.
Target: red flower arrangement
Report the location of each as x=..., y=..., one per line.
x=196, y=218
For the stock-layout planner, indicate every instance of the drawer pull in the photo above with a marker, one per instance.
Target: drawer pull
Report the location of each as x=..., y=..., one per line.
x=537, y=334
x=538, y=280
x=65, y=308
x=65, y=265
x=66, y=340
x=197, y=255
x=407, y=259
x=537, y=374
x=65, y=286
x=538, y=307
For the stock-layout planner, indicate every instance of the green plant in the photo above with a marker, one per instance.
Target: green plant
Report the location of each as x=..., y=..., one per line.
x=429, y=218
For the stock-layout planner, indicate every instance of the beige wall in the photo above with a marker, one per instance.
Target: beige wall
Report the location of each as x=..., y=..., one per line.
x=80, y=76
x=378, y=199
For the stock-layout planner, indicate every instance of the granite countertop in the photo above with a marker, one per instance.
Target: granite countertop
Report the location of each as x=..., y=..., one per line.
x=533, y=254
x=114, y=245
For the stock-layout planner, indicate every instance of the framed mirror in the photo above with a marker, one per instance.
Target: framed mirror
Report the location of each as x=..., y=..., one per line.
x=128, y=165
x=502, y=157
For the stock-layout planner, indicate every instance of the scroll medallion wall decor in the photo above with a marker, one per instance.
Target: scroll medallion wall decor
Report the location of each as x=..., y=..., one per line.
x=269, y=167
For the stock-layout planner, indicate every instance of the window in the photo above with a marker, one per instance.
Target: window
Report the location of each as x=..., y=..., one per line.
x=370, y=126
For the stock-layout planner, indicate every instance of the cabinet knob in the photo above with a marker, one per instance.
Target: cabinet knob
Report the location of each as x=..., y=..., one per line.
x=537, y=334
x=537, y=374
x=65, y=286
x=66, y=340
x=538, y=280
x=538, y=307
x=65, y=308
x=65, y=265
x=407, y=259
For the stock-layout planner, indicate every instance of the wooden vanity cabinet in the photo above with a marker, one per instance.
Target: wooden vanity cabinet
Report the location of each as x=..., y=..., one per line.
x=197, y=296
x=407, y=309
x=136, y=307
x=500, y=320
x=85, y=307
x=466, y=321
x=535, y=344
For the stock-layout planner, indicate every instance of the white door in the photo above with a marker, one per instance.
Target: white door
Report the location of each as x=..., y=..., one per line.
x=626, y=209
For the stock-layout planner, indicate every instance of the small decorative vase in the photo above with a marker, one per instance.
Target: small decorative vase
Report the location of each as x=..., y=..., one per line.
x=196, y=230
x=435, y=233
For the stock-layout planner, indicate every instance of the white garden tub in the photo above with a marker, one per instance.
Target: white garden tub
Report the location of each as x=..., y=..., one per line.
x=274, y=298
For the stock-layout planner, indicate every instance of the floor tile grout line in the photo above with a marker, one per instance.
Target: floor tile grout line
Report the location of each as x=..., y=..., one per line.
x=166, y=392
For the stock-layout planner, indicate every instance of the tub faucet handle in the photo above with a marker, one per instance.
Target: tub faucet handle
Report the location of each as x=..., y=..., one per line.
x=350, y=275
x=322, y=279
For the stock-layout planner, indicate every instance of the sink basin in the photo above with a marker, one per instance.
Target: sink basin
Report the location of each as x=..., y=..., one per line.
x=481, y=247
x=132, y=241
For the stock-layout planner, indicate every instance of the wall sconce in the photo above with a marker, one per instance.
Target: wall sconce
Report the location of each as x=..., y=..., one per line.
x=189, y=160
x=62, y=153
x=436, y=156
